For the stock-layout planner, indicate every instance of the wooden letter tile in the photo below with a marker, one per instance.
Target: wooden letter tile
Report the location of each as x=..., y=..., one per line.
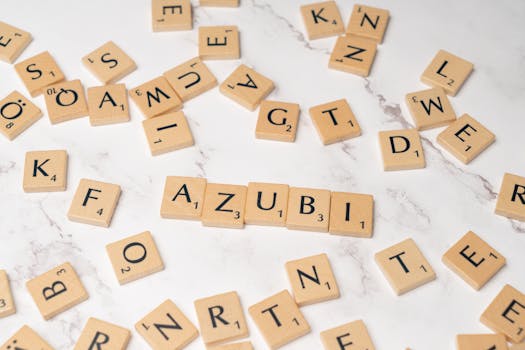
x=404, y=266
x=506, y=314
x=7, y=303
x=447, y=71
x=26, y=338
x=168, y=132
x=219, y=3
x=17, y=114
x=277, y=121
x=183, y=198
x=401, y=150
x=45, y=171
x=57, y=290
x=518, y=346
x=245, y=345
x=109, y=63
x=308, y=209
x=247, y=87
x=38, y=72
x=351, y=214
x=350, y=336
x=466, y=138
x=65, y=101
x=353, y=54
x=219, y=43
x=369, y=22
x=134, y=257
x=312, y=280
x=94, y=202
x=335, y=122
x=108, y=104
x=322, y=20
x=155, y=97
x=221, y=318
x=224, y=206
x=473, y=260
x=171, y=15
x=511, y=197
x=481, y=341
x=266, y=204
x=98, y=334
x=279, y=319
x=430, y=108
x=167, y=328
x=12, y=42
x=191, y=79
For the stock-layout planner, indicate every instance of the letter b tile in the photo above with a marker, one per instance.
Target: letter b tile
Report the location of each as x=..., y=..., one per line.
x=308, y=209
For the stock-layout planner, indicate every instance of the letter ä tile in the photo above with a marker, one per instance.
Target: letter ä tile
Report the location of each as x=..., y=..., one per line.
x=246, y=87
x=224, y=206
x=511, y=197
x=65, y=101
x=221, y=318
x=26, y=338
x=481, y=341
x=308, y=209
x=277, y=121
x=401, y=150
x=57, y=290
x=17, y=113
x=350, y=336
x=183, y=198
x=322, y=20
x=368, y=22
x=12, y=42
x=38, y=72
x=45, y=171
x=109, y=63
x=167, y=328
x=279, y=319
x=98, y=334
x=7, y=303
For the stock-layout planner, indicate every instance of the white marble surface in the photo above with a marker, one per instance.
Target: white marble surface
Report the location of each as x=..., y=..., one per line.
x=435, y=205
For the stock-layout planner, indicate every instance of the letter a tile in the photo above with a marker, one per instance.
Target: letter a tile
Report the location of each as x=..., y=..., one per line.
x=404, y=266
x=247, y=87
x=167, y=328
x=94, y=203
x=57, y=290
x=17, y=114
x=26, y=338
x=98, y=334
x=506, y=314
x=511, y=197
x=350, y=336
x=183, y=198
x=45, y=171
x=401, y=150
x=171, y=15
x=108, y=104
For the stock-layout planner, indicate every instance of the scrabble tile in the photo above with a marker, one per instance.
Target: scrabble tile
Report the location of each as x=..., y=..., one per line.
x=167, y=328
x=277, y=121
x=353, y=54
x=219, y=43
x=224, y=206
x=221, y=318
x=219, y=3
x=155, y=97
x=246, y=87
x=404, y=266
x=191, y=79
x=430, y=108
x=350, y=336
x=38, y=72
x=134, y=257
x=518, y=346
x=65, y=101
x=466, y=138
x=335, y=122
x=108, y=104
x=351, y=214
x=308, y=209
x=401, y=150
x=94, y=202
x=45, y=171
x=245, y=345
x=98, y=334
x=167, y=133
x=447, y=71
x=183, y=198
x=26, y=338
x=312, y=280
x=481, y=341
x=266, y=204
x=279, y=319
x=473, y=260
x=12, y=42
x=322, y=20
x=171, y=15
x=368, y=22
x=511, y=197
x=7, y=303
x=109, y=63
x=57, y=290
x=506, y=314
x=17, y=114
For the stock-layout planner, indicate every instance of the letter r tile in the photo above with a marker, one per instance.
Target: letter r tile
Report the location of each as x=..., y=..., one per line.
x=98, y=334
x=511, y=197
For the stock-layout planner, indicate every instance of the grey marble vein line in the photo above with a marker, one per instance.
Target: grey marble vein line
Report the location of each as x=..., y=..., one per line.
x=351, y=250
x=4, y=169
x=298, y=34
x=52, y=223
x=347, y=149
x=409, y=207
x=70, y=327
x=517, y=226
x=201, y=164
